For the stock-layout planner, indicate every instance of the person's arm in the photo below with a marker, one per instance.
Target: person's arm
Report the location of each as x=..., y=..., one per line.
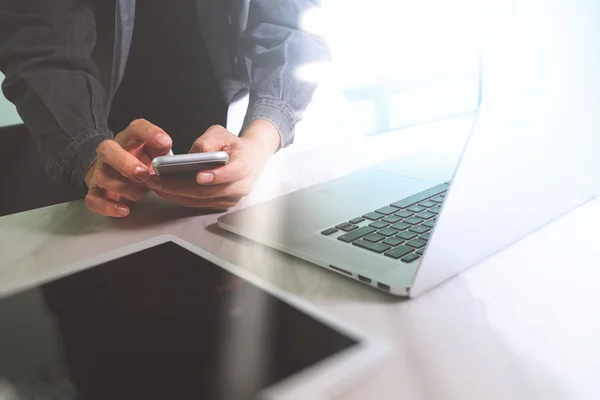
x=277, y=46
x=45, y=54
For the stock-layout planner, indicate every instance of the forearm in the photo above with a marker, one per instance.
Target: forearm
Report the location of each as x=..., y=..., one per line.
x=277, y=46
x=50, y=77
x=67, y=141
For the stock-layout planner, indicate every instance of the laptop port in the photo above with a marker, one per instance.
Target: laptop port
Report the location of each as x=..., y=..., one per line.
x=383, y=286
x=364, y=279
x=343, y=271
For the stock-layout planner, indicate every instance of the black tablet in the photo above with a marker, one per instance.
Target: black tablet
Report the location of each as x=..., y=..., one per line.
x=163, y=319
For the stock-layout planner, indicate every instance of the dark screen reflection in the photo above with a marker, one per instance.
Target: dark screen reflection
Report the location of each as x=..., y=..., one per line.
x=162, y=323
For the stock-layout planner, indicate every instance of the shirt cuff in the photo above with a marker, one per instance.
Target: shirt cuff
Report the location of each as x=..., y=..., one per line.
x=85, y=156
x=277, y=113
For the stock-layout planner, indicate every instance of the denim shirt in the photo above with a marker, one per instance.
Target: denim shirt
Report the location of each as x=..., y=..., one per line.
x=64, y=96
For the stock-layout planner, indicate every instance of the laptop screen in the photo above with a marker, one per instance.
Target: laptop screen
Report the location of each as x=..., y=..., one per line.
x=162, y=323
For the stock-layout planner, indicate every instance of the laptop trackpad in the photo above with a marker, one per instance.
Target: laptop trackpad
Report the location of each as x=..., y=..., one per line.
x=374, y=187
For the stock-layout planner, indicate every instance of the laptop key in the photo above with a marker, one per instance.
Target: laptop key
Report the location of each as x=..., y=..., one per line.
x=416, y=243
x=419, y=229
x=356, y=234
x=404, y=214
x=329, y=231
x=392, y=219
x=410, y=258
x=374, y=237
x=401, y=226
x=437, y=199
x=413, y=220
x=416, y=209
x=420, y=252
x=349, y=227
x=425, y=215
x=419, y=197
x=429, y=224
x=435, y=210
x=399, y=252
x=387, y=210
x=373, y=216
x=378, y=224
x=425, y=236
x=388, y=232
x=427, y=203
x=406, y=235
x=375, y=247
x=357, y=220
x=393, y=241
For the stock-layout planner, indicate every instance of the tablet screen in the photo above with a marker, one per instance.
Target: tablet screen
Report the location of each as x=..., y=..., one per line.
x=162, y=323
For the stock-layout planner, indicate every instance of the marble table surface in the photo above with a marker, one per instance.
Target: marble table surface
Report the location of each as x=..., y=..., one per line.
x=522, y=324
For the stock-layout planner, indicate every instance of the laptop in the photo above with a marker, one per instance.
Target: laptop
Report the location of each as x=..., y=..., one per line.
x=532, y=156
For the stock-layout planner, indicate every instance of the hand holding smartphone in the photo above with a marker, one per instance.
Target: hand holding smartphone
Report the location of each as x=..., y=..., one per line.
x=188, y=165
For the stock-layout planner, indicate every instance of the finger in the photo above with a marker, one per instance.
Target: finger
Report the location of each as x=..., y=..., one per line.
x=146, y=160
x=137, y=149
x=181, y=187
x=157, y=142
x=220, y=204
x=235, y=171
x=122, y=161
x=216, y=138
x=189, y=188
x=111, y=195
x=96, y=202
x=112, y=182
x=115, y=197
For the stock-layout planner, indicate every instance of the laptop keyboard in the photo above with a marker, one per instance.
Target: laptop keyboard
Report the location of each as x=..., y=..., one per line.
x=400, y=230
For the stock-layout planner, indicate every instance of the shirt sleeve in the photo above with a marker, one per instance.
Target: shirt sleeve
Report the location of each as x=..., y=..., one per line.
x=45, y=55
x=276, y=46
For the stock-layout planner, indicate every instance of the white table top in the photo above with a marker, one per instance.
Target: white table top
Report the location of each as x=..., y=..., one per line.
x=520, y=325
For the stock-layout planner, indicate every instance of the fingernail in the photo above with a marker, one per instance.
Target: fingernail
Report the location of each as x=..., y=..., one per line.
x=141, y=174
x=204, y=177
x=162, y=139
x=154, y=185
x=123, y=211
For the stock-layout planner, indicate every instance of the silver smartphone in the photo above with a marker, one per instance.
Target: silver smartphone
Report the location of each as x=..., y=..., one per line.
x=188, y=165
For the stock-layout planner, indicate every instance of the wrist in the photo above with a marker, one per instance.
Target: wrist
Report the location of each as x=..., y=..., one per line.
x=263, y=134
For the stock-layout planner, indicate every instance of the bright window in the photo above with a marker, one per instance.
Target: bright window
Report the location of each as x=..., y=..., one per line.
x=395, y=63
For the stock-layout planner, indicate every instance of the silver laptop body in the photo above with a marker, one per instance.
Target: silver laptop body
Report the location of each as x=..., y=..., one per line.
x=532, y=156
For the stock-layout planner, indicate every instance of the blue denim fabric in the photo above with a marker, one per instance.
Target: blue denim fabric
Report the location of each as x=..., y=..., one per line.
x=46, y=48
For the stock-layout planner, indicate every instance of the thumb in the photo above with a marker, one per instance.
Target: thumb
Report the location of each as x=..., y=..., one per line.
x=216, y=138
